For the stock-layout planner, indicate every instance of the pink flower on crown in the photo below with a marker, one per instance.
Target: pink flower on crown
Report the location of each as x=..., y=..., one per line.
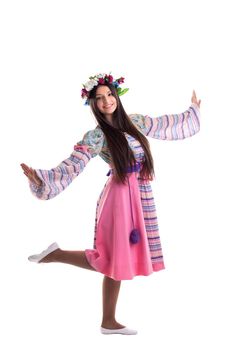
x=84, y=93
x=110, y=79
x=121, y=80
x=101, y=81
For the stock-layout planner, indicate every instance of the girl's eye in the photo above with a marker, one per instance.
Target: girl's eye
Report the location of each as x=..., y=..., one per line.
x=109, y=94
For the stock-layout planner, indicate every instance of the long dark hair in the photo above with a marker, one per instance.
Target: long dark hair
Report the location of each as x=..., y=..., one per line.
x=121, y=154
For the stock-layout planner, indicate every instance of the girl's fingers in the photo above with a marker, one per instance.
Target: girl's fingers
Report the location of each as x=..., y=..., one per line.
x=194, y=99
x=193, y=95
x=31, y=174
x=24, y=165
x=25, y=168
x=28, y=172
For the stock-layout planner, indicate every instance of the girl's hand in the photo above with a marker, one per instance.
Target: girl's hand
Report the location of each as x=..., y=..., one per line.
x=194, y=99
x=31, y=174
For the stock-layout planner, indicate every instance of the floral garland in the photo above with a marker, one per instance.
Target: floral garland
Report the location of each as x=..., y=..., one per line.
x=101, y=79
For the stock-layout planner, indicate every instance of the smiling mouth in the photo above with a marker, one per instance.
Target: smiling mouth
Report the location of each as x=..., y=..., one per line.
x=108, y=106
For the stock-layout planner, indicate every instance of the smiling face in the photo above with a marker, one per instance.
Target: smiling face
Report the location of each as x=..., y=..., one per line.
x=106, y=102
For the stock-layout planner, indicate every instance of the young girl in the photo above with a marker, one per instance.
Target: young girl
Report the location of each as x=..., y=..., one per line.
x=126, y=239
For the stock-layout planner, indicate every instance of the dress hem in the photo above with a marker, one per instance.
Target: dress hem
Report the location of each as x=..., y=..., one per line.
x=155, y=268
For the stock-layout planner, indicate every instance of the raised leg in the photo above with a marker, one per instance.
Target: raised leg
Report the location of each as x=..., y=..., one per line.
x=72, y=257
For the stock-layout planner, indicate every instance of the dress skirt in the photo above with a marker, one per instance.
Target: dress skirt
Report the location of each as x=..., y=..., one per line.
x=119, y=211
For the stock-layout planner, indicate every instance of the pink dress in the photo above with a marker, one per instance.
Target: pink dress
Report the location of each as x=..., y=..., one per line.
x=114, y=255
x=121, y=207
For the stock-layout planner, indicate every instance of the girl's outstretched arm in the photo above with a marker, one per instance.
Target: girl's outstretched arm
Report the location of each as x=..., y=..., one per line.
x=46, y=184
x=171, y=126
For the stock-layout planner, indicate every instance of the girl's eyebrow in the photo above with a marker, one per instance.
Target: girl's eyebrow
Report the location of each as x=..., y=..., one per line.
x=103, y=95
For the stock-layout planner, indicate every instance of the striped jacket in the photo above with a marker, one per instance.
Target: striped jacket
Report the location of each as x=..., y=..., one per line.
x=93, y=143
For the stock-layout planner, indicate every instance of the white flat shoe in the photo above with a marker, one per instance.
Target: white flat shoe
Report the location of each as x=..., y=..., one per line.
x=36, y=258
x=123, y=331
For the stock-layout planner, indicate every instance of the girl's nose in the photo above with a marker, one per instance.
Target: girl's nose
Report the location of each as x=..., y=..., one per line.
x=106, y=101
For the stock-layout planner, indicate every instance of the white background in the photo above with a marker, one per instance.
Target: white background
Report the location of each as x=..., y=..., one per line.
x=164, y=49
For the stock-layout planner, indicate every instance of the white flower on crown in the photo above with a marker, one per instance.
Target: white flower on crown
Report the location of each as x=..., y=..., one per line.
x=101, y=75
x=90, y=84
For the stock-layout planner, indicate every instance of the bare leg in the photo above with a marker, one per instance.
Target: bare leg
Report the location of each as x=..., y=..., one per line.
x=110, y=295
x=76, y=258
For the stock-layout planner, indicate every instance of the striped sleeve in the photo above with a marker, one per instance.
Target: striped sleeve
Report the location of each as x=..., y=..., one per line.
x=172, y=126
x=55, y=180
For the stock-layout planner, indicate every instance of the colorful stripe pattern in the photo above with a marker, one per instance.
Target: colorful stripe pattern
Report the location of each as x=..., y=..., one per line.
x=55, y=180
x=151, y=223
x=170, y=127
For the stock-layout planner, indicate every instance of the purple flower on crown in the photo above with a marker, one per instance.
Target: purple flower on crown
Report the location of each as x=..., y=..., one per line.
x=115, y=84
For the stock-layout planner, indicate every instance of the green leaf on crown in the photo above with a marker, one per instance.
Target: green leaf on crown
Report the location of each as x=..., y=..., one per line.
x=121, y=91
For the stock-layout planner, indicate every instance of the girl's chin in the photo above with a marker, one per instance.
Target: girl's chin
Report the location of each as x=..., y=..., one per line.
x=108, y=109
x=108, y=112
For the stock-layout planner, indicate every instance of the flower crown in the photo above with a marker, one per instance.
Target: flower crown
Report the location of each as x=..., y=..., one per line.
x=101, y=79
